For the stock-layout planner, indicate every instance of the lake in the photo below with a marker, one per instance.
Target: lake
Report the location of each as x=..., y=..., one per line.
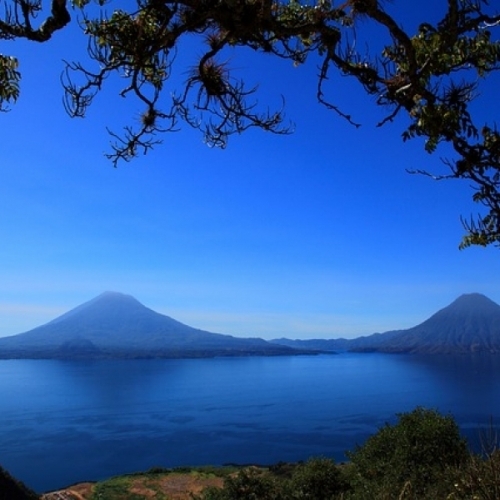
x=63, y=422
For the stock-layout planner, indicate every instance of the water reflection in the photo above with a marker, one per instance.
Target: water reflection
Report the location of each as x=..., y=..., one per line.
x=70, y=421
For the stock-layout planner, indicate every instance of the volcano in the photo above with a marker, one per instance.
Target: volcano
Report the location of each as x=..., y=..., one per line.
x=115, y=325
x=470, y=324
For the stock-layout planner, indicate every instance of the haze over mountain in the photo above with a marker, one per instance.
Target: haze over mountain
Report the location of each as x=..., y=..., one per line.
x=469, y=324
x=118, y=325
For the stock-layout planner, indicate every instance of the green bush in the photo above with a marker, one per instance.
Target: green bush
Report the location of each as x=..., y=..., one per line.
x=317, y=479
x=415, y=458
x=116, y=488
x=248, y=484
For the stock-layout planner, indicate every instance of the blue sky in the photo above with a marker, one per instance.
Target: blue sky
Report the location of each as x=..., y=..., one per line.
x=322, y=233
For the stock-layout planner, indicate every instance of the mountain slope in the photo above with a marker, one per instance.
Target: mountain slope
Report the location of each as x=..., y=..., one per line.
x=118, y=325
x=469, y=324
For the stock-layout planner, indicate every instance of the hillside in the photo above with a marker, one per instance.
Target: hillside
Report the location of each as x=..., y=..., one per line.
x=118, y=325
x=469, y=324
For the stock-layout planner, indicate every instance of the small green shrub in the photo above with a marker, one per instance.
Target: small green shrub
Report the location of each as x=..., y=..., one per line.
x=155, y=471
x=248, y=484
x=116, y=488
x=317, y=479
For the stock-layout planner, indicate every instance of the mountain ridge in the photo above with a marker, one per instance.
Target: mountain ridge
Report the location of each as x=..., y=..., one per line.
x=470, y=324
x=118, y=325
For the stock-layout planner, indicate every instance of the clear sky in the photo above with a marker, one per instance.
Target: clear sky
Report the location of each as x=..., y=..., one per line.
x=318, y=234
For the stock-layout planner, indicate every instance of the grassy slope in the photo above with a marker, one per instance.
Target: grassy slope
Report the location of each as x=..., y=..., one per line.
x=156, y=484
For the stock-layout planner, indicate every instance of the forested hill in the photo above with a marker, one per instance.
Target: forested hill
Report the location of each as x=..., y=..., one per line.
x=469, y=324
x=118, y=325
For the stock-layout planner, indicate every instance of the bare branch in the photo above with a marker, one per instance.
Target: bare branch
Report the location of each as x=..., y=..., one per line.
x=12, y=27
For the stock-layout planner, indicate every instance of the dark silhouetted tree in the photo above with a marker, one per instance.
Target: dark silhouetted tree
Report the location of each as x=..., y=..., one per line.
x=431, y=75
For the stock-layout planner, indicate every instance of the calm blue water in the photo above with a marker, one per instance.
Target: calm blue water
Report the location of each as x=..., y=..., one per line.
x=64, y=422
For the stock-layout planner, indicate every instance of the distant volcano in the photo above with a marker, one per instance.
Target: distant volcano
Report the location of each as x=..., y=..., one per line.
x=118, y=325
x=469, y=324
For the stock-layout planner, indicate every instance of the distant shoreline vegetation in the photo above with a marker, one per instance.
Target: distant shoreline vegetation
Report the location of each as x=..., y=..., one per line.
x=142, y=355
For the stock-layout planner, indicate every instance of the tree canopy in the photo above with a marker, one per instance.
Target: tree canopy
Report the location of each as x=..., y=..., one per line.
x=414, y=454
x=430, y=76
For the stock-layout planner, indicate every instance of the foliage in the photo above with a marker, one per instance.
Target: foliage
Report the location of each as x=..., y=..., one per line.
x=421, y=457
x=9, y=81
x=116, y=488
x=317, y=479
x=409, y=459
x=208, y=470
x=480, y=480
x=248, y=484
x=431, y=76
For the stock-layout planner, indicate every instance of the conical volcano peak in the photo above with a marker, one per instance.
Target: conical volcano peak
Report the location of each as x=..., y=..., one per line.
x=473, y=302
x=117, y=325
x=474, y=296
x=105, y=303
x=470, y=324
x=109, y=296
